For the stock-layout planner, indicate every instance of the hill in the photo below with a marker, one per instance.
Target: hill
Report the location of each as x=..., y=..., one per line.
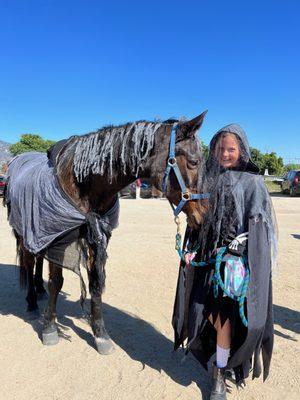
x=5, y=154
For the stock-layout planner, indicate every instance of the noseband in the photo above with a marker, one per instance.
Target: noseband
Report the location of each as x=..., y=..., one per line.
x=186, y=195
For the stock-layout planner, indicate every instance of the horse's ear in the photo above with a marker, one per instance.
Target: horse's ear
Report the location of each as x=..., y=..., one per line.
x=189, y=128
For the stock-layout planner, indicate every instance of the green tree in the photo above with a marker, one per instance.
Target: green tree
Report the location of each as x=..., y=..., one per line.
x=30, y=142
x=273, y=163
x=289, y=167
x=205, y=150
x=258, y=158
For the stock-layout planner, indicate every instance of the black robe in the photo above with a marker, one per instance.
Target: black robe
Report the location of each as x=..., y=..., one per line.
x=242, y=204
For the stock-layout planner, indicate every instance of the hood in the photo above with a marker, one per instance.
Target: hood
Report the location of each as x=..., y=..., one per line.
x=240, y=133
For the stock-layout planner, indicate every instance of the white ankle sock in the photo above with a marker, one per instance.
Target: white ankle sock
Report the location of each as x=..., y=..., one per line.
x=222, y=357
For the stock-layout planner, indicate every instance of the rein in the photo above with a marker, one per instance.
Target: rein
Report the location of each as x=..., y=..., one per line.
x=186, y=195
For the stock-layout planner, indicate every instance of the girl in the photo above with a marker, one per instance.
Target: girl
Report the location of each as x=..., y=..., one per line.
x=224, y=293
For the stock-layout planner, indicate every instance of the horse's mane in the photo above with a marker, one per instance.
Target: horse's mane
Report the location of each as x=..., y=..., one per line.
x=113, y=148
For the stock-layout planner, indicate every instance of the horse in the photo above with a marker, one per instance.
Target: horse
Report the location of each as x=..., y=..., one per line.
x=88, y=171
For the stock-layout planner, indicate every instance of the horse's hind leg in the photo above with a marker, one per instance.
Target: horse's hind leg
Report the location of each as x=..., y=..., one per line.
x=38, y=279
x=50, y=334
x=31, y=297
x=27, y=262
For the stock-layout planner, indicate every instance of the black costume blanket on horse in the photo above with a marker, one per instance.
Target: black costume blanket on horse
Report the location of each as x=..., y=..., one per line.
x=239, y=203
x=46, y=218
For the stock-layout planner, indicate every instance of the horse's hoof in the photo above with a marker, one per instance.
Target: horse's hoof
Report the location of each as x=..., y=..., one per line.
x=104, y=346
x=42, y=296
x=32, y=314
x=50, y=338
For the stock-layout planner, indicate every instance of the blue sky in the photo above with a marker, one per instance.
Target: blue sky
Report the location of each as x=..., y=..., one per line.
x=70, y=67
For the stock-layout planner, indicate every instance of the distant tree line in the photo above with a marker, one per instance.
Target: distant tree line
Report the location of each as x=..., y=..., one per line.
x=267, y=161
x=271, y=162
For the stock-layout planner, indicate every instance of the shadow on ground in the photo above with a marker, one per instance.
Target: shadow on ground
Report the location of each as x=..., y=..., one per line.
x=288, y=319
x=278, y=194
x=295, y=236
x=138, y=338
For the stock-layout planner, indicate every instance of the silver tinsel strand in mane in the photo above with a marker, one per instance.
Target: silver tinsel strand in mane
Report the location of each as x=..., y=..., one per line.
x=110, y=150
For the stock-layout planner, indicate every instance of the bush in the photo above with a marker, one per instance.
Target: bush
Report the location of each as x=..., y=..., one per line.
x=29, y=142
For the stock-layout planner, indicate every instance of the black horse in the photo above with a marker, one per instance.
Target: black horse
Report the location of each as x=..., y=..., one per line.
x=90, y=170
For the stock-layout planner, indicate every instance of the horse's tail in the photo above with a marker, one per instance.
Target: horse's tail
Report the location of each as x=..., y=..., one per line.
x=20, y=261
x=5, y=201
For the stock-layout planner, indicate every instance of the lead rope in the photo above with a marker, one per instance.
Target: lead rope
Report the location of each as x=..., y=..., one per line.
x=182, y=253
x=178, y=238
x=217, y=279
x=218, y=282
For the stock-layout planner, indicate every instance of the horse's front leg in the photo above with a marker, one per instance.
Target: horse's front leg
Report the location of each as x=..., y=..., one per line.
x=50, y=334
x=38, y=279
x=103, y=342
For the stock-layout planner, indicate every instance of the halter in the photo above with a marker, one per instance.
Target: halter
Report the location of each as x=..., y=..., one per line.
x=186, y=195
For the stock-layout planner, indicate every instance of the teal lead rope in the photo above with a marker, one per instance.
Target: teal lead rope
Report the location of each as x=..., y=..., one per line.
x=182, y=253
x=218, y=282
x=217, y=279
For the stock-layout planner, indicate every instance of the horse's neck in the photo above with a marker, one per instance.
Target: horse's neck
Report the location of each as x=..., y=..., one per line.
x=102, y=193
x=101, y=190
x=98, y=195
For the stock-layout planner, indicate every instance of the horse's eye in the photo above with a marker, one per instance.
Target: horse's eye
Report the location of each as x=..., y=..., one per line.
x=193, y=163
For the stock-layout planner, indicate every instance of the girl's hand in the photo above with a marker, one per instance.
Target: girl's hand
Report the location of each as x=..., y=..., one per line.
x=188, y=257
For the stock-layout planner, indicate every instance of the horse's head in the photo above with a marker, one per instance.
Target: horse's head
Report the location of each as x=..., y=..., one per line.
x=189, y=158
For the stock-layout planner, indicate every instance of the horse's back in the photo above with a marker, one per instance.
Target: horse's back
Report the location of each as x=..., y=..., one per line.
x=39, y=212
x=24, y=170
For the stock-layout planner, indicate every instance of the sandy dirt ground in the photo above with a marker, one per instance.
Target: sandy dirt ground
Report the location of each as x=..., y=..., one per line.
x=141, y=280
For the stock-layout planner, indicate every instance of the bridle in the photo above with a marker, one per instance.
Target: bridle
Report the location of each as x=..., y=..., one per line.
x=186, y=195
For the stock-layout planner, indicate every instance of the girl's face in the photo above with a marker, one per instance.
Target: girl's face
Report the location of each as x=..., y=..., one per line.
x=227, y=151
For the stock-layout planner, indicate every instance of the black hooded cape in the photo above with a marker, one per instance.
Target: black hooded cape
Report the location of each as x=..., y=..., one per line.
x=239, y=203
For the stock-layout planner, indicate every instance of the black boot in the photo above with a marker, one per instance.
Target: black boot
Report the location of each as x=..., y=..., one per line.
x=218, y=391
